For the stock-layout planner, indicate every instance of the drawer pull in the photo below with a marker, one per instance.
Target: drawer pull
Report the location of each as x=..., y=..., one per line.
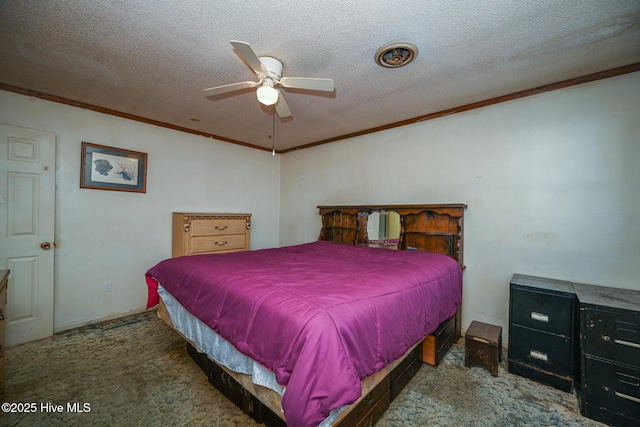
x=539, y=317
x=367, y=400
x=539, y=355
x=626, y=396
x=627, y=343
x=221, y=243
x=221, y=228
x=628, y=379
x=626, y=326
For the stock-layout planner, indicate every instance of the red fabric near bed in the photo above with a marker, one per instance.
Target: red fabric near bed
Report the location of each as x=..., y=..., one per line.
x=322, y=316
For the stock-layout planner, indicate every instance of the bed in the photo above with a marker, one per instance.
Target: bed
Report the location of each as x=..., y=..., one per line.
x=322, y=333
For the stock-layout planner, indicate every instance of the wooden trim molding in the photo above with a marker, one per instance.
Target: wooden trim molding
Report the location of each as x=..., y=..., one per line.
x=517, y=95
x=631, y=68
x=109, y=111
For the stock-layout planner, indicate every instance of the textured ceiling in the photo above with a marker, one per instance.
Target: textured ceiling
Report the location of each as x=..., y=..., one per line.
x=152, y=59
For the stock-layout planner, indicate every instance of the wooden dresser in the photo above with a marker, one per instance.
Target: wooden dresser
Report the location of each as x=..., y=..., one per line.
x=543, y=330
x=4, y=278
x=610, y=354
x=205, y=233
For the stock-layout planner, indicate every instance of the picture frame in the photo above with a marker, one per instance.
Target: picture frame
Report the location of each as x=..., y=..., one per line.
x=111, y=168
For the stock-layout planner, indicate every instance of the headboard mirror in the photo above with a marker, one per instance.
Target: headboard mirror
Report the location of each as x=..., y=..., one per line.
x=383, y=229
x=430, y=228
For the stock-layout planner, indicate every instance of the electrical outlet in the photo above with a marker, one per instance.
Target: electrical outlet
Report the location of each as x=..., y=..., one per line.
x=106, y=286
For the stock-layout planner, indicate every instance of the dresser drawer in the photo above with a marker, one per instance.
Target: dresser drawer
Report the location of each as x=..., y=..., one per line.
x=376, y=411
x=546, y=351
x=542, y=311
x=370, y=405
x=436, y=345
x=561, y=382
x=202, y=233
x=612, y=335
x=614, y=387
x=217, y=227
x=403, y=373
x=202, y=245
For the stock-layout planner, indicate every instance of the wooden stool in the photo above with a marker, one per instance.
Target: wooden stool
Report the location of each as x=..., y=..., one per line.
x=483, y=346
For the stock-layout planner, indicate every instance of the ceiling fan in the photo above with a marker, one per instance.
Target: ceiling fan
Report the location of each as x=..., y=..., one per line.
x=269, y=73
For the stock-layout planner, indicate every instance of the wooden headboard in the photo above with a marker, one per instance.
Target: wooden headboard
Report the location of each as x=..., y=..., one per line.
x=430, y=228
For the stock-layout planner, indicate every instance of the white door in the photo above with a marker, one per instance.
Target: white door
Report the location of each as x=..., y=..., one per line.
x=27, y=206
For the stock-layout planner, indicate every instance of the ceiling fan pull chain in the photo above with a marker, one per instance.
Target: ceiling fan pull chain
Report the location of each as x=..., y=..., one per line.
x=273, y=132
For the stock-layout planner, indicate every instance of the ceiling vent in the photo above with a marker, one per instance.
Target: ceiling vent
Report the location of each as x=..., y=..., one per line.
x=396, y=54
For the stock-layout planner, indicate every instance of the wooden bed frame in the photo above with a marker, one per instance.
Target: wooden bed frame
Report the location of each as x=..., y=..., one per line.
x=428, y=227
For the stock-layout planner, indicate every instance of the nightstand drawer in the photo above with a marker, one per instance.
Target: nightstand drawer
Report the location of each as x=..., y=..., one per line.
x=546, y=351
x=613, y=335
x=614, y=387
x=542, y=311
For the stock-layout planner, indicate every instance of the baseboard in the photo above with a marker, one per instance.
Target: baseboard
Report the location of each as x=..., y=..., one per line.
x=114, y=316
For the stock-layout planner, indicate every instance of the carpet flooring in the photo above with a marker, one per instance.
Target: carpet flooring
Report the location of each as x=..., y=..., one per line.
x=135, y=371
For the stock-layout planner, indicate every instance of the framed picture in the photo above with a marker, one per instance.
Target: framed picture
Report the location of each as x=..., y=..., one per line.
x=109, y=168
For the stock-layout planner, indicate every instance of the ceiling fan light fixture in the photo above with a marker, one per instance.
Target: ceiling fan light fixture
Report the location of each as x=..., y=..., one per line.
x=396, y=54
x=266, y=94
x=268, y=70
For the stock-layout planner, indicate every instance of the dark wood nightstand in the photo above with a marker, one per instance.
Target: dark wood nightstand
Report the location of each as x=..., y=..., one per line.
x=483, y=346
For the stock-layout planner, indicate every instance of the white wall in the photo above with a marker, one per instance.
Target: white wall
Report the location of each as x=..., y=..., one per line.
x=552, y=184
x=118, y=236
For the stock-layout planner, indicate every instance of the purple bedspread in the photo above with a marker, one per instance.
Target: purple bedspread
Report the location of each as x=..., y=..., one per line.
x=322, y=316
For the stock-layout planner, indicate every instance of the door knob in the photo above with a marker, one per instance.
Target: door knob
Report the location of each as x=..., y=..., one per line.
x=45, y=245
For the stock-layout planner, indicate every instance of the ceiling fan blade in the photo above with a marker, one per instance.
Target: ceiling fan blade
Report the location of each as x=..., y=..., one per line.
x=219, y=90
x=249, y=56
x=282, y=108
x=310, y=83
